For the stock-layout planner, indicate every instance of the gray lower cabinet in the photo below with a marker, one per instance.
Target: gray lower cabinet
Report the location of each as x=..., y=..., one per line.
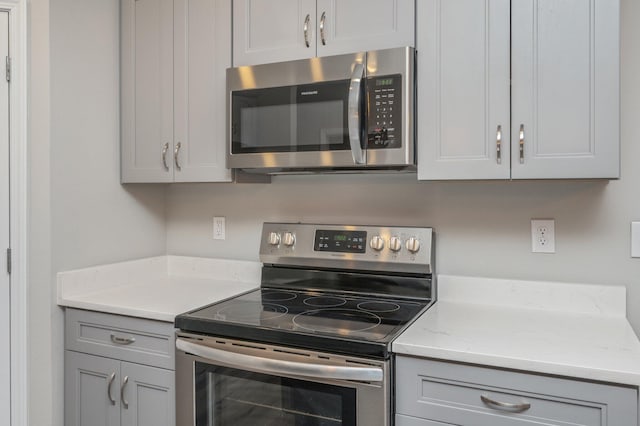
x=119, y=371
x=435, y=393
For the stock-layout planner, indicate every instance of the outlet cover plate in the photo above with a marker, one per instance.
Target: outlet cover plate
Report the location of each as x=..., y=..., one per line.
x=219, y=226
x=635, y=239
x=543, y=236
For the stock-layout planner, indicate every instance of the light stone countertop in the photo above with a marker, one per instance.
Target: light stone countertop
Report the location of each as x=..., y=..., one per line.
x=156, y=288
x=571, y=330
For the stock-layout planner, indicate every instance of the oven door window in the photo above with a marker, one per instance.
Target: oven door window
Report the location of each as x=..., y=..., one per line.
x=310, y=117
x=230, y=397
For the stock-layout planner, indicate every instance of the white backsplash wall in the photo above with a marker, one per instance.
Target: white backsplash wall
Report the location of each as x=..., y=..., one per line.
x=482, y=228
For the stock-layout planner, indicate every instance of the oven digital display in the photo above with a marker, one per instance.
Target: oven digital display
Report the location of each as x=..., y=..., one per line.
x=340, y=241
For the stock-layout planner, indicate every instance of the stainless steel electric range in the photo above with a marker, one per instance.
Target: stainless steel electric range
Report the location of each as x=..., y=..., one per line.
x=311, y=346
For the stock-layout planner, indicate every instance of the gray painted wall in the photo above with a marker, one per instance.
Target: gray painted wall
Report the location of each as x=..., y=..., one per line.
x=80, y=214
x=483, y=228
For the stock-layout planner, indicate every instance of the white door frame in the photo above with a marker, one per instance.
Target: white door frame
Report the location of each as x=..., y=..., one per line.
x=18, y=140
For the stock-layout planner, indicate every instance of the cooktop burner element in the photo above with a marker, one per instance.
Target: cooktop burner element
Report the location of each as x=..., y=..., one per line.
x=249, y=312
x=341, y=289
x=324, y=301
x=278, y=296
x=344, y=321
x=379, y=306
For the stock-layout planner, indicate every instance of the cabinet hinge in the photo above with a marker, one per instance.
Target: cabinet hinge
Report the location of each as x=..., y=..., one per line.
x=8, y=69
x=8, y=261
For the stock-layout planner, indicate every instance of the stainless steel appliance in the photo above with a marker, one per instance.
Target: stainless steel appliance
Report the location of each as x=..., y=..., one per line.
x=351, y=112
x=311, y=346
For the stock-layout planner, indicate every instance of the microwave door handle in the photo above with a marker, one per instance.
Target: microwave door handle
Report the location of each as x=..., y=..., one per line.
x=355, y=119
x=276, y=366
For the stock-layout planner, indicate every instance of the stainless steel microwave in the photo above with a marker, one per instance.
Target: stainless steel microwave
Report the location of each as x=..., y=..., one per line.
x=343, y=113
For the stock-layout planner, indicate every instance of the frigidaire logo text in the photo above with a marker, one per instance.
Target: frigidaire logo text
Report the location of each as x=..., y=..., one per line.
x=310, y=92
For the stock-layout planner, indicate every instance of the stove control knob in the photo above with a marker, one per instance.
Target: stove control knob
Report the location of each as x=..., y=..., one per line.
x=288, y=239
x=413, y=245
x=377, y=243
x=395, y=244
x=274, y=238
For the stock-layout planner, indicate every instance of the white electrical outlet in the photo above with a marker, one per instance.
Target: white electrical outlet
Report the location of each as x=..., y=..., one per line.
x=218, y=228
x=543, y=236
x=635, y=239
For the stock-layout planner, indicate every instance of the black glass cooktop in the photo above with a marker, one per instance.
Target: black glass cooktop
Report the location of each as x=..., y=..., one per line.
x=330, y=322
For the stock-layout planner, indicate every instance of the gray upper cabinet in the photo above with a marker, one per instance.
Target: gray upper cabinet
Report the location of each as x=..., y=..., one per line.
x=173, y=59
x=566, y=88
x=463, y=89
x=521, y=90
x=267, y=31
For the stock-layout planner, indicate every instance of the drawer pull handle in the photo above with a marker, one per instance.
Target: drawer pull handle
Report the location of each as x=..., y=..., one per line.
x=499, y=145
x=505, y=406
x=111, y=379
x=176, y=152
x=122, y=340
x=323, y=19
x=125, y=403
x=165, y=148
x=305, y=30
x=521, y=144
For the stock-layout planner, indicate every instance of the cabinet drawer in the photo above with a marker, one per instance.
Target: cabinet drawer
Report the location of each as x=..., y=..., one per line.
x=129, y=339
x=414, y=421
x=462, y=395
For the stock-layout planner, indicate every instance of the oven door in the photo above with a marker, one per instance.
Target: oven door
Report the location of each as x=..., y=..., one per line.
x=298, y=114
x=220, y=382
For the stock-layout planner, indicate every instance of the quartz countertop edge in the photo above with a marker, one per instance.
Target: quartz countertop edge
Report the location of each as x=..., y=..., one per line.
x=580, y=331
x=157, y=288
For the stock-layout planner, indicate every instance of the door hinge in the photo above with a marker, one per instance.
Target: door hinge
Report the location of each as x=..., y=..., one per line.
x=8, y=261
x=8, y=69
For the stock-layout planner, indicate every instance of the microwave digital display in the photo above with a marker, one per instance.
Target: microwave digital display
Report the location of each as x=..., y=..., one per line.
x=384, y=82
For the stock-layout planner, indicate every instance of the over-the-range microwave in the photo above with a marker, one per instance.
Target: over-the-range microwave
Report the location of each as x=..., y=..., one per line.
x=343, y=113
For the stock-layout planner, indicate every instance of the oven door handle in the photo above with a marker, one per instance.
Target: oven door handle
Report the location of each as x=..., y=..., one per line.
x=355, y=115
x=280, y=367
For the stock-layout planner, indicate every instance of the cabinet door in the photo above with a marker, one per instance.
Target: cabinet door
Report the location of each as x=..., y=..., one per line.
x=565, y=60
x=463, y=89
x=147, y=90
x=91, y=390
x=273, y=30
x=346, y=26
x=148, y=395
x=202, y=55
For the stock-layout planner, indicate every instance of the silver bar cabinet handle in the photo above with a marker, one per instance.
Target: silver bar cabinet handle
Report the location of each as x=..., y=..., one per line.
x=307, y=21
x=276, y=366
x=125, y=403
x=505, y=406
x=111, y=379
x=175, y=156
x=499, y=145
x=323, y=18
x=165, y=148
x=354, y=120
x=522, y=144
x=122, y=340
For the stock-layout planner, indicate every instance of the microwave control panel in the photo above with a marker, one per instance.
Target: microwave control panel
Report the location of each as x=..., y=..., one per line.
x=385, y=111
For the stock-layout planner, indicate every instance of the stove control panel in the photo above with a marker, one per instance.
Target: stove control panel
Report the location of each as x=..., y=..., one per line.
x=340, y=241
x=394, y=249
